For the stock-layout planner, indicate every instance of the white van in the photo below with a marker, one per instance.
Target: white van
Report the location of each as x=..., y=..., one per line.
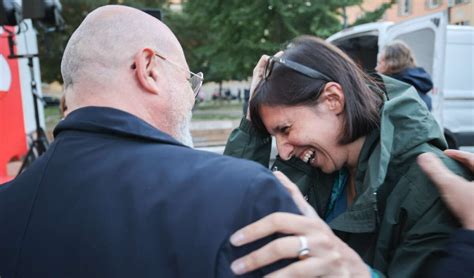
x=446, y=52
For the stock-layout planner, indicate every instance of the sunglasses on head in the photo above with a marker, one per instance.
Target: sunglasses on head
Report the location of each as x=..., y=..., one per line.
x=294, y=66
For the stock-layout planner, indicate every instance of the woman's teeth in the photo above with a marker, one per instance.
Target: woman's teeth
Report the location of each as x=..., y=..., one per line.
x=308, y=156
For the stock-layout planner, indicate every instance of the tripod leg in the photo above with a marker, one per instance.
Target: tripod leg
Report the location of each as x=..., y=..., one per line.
x=29, y=158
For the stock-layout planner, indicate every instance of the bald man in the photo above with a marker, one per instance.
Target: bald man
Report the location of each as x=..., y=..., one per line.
x=119, y=193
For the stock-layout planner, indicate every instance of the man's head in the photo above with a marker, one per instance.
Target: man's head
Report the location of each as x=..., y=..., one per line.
x=111, y=61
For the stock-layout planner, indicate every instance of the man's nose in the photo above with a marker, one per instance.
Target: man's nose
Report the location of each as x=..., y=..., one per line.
x=285, y=149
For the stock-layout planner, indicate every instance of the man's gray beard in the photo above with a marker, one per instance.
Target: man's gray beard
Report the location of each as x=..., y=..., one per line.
x=183, y=132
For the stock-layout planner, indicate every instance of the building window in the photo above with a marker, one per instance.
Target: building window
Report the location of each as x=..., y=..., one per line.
x=404, y=7
x=434, y=3
x=460, y=1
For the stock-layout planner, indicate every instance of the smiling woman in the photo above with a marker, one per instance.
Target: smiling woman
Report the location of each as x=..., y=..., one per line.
x=350, y=144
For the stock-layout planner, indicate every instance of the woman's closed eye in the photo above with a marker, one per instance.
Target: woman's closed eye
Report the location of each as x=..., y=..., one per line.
x=284, y=130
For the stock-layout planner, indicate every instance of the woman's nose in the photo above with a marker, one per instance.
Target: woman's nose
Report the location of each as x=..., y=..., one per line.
x=285, y=150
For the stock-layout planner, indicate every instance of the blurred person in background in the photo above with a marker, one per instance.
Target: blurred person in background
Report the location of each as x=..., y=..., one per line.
x=397, y=61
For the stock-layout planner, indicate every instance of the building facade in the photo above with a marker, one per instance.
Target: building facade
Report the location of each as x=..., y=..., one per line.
x=460, y=12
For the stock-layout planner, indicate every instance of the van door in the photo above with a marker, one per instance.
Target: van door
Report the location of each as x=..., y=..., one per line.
x=458, y=86
x=426, y=36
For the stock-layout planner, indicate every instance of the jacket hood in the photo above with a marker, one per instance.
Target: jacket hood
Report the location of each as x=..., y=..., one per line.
x=406, y=124
x=405, y=121
x=417, y=77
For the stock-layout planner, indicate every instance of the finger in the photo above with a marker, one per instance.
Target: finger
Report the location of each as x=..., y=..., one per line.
x=288, y=247
x=466, y=158
x=279, y=54
x=281, y=248
x=278, y=222
x=258, y=72
x=261, y=65
x=441, y=176
x=295, y=193
x=311, y=267
x=289, y=185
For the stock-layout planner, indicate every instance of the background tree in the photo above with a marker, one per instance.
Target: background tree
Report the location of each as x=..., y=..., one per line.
x=222, y=38
x=225, y=38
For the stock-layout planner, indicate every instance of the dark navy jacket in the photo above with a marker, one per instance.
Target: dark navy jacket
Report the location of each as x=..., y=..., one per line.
x=458, y=259
x=418, y=78
x=115, y=197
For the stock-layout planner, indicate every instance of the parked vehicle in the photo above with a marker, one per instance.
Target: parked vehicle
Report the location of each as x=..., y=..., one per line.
x=445, y=51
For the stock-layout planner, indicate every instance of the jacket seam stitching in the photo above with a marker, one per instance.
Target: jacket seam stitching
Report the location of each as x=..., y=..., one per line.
x=31, y=211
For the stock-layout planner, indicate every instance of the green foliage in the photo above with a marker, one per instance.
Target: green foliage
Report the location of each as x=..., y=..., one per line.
x=222, y=38
x=225, y=39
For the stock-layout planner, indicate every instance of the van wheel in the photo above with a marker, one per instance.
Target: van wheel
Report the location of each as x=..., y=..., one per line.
x=452, y=144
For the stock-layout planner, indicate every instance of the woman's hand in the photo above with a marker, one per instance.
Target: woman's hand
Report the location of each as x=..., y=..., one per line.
x=257, y=76
x=295, y=193
x=327, y=256
x=456, y=192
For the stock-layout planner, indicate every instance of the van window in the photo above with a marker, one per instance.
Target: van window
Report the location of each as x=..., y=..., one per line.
x=362, y=49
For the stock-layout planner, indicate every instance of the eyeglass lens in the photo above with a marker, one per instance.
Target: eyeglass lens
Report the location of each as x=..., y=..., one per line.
x=196, y=82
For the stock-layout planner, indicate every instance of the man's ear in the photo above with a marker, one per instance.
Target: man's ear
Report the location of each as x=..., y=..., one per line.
x=333, y=95
x=146, y=71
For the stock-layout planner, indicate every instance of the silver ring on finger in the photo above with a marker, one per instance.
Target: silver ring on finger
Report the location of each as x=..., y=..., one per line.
x=303, y=252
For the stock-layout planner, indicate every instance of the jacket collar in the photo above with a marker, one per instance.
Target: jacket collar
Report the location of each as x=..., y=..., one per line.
x=361, y=217
x=110, y=121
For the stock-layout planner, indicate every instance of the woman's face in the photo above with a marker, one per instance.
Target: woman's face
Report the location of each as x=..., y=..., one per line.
x=309, y=133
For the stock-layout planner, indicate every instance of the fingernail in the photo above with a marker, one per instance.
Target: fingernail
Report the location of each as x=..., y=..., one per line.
x=237, y=239
x=238, y=267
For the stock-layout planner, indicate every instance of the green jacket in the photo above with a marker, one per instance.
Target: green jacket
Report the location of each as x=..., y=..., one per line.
x=397, y=223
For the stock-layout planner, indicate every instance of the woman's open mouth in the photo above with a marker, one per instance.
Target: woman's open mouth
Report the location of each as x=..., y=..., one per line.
x=308, y=156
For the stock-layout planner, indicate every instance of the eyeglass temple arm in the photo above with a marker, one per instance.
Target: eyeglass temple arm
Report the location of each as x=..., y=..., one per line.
x=169, y=61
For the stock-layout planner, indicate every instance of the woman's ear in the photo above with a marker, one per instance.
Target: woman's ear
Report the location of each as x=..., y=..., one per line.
x=146, y=71
x=334, y=97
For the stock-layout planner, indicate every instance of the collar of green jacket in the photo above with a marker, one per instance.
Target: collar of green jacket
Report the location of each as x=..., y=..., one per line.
x=405, y=124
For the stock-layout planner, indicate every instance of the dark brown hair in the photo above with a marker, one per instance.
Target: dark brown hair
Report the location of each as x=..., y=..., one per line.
x=286, y=87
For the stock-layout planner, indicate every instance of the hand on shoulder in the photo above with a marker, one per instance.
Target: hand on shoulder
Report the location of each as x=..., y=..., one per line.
x=457, y=192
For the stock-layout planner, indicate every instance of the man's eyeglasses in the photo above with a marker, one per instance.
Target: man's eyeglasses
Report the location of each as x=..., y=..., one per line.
x=194, y=79
x=296, y=67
